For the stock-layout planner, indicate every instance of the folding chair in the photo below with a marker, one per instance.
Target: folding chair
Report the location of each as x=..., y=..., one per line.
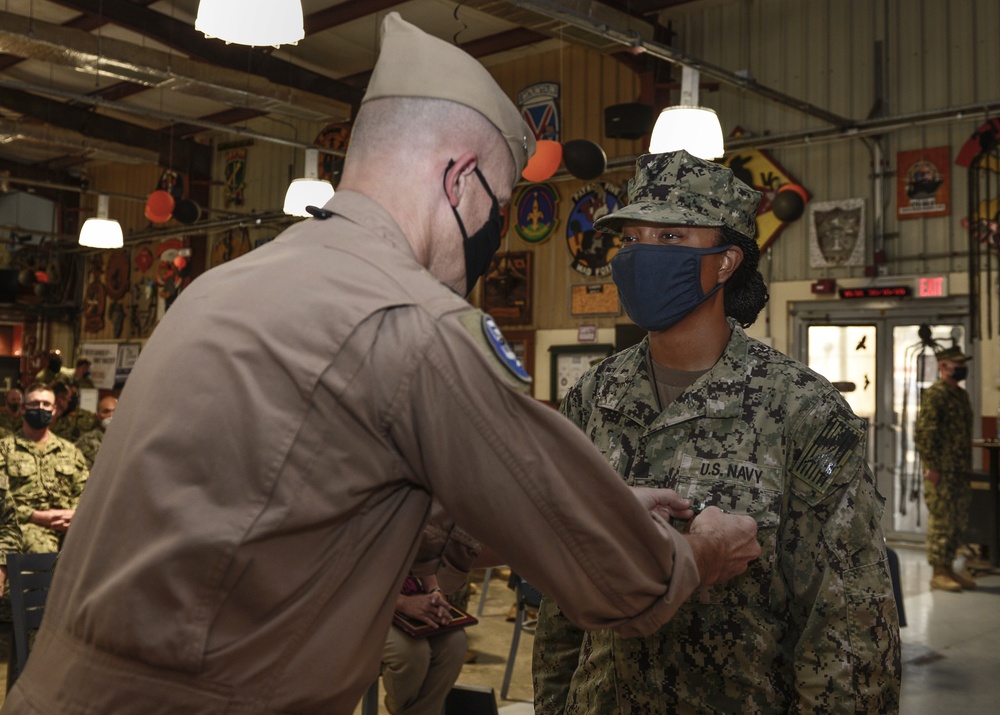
x=30, y=576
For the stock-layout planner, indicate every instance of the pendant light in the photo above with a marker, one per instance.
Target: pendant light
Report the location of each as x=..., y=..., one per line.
x=251, y=22
x=308, y=191
x=688, y=126
x=101, y=232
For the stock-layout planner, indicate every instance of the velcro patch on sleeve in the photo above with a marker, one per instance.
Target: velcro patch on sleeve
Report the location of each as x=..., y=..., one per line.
x=827, y=452
x=485, y=331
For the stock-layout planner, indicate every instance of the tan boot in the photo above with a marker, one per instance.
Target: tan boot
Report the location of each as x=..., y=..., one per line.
x=964, y=579
x=943, y=581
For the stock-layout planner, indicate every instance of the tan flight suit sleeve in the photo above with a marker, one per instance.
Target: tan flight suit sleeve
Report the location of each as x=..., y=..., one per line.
x=523, y=480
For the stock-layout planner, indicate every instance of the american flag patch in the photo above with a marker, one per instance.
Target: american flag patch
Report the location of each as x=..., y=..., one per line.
x=826, y=453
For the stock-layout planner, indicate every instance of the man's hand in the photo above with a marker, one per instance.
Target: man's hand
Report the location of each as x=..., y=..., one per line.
x=430, y=608
x=664, y=502
x=55, y=519
x=3, y=578
x=932, y=475
x=723, y=544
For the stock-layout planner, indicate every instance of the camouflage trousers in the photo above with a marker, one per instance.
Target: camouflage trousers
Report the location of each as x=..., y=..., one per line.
x=948, y=508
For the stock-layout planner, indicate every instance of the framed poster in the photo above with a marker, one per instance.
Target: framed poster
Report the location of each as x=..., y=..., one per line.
x=522, y=342
x=507, y=288
x=923, y=185
x=593, y=299
x=569, y=362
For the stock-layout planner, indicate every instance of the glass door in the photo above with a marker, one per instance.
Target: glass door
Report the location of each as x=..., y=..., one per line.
x=881, y=360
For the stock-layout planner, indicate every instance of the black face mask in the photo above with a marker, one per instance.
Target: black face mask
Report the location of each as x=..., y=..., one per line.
x=482, y=245
x=959, y=373
x=38, y=418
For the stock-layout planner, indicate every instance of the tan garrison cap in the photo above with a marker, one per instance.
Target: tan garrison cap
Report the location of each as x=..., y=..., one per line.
x=677, y=188
x=415, y=64
x=953, y=353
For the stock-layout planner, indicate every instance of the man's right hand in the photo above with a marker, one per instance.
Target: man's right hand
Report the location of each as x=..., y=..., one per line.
x=723, y=544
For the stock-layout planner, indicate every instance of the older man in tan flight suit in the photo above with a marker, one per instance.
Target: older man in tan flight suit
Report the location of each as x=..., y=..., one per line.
x=244, y=557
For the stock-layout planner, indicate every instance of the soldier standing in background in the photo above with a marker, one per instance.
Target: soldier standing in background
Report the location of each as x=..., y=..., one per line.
x=700, y=407
x=46, y=474
x=943, y=438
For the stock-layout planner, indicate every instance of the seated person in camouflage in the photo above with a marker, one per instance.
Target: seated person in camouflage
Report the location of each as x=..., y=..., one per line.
x=45, y=473
x=90, y=442
x=10, y=418
x=70, y=421
x=700, y=407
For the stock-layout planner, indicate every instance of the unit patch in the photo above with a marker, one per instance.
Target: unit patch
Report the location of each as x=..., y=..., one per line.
x=827, y=453
x=503, y=351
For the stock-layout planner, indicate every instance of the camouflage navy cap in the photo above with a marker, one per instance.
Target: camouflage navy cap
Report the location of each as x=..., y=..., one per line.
x=677, y=188
x=412, y=63
x=954, y=354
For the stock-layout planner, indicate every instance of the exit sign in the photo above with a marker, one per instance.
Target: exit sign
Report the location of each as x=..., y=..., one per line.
x=932, y=287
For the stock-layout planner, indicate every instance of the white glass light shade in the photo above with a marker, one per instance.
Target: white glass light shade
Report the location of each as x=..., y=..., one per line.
x=251, y=22
x=101, y=233
x=306, y=192
x=696, y=129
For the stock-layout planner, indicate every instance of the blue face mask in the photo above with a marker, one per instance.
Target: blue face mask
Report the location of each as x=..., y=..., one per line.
x=660, y=285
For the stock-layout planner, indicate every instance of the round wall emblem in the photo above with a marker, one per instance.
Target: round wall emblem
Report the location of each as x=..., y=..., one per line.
x=537, y=212
x=592, y=250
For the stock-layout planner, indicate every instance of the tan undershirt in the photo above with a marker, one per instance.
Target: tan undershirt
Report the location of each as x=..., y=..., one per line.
x=671, y=383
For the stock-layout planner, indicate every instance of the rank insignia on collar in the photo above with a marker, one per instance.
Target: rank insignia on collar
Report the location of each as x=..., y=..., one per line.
x=503, y=350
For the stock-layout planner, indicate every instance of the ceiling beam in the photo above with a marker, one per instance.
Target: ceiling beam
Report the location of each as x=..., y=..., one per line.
x=184, y=38
x=343, y=13
x=182, y=154
x=144, y=68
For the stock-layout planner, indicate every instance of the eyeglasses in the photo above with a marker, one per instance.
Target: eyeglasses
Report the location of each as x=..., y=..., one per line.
x=39, y=405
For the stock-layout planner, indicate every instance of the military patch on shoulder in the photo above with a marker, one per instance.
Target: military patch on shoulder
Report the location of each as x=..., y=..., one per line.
x=503, y=350
x=828, y=451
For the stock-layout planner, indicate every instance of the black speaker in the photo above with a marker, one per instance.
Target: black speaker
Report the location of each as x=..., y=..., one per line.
x=628, y=121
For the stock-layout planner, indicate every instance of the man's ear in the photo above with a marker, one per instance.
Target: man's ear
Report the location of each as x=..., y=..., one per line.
x=732, y=257
x=456, y=176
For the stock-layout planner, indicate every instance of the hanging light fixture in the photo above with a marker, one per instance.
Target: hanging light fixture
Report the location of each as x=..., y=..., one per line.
x=688, y=126
x=101, y=232
x=308, y=191
x=254, y=22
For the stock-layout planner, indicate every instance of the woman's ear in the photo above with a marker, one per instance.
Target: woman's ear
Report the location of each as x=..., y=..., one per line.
x=732, y=257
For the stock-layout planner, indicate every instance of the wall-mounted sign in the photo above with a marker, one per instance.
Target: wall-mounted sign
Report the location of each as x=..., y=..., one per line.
x=537, y=212
x=593, y=299
x=837, y=234
x=759, y=170
x=539, y=105
x=923, y=187
x=877, y=292
x=592, y=250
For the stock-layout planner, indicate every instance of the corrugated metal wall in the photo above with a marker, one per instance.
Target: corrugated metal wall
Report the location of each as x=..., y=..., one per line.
x=934, y=54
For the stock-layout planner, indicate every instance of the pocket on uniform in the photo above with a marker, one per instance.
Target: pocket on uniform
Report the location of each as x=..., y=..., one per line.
x=752, y=587
x=21, y=465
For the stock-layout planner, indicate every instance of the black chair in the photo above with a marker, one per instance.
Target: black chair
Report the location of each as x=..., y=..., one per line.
x=528, y=598
x=29, y=576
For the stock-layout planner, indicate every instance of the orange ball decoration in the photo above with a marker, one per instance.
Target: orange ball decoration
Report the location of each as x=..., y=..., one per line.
x=545, y=162
x=180, y=262
x=159, y=206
